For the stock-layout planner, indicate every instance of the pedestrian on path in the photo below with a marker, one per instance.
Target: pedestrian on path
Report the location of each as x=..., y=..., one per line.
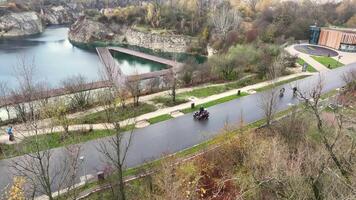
x=10, y=133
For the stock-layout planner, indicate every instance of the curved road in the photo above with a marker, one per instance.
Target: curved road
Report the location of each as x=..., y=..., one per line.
x=174, y=135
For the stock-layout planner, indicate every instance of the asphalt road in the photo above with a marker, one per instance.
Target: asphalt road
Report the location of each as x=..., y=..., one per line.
x=174, y=135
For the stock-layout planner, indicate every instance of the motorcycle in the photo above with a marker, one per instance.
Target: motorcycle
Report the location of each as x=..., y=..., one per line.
x=201, y=114
x=281, y=92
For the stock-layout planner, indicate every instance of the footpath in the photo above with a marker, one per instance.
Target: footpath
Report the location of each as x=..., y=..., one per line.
x=318, y=66
x=22, y=132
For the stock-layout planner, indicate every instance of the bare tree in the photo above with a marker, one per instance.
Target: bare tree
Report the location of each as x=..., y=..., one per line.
x=224, y=18
x=27, y=92
x=171, y=80
x=58, y=113
x=79, y=90
x=4, y=95
x=312, y=100
x=268, y=103
x=38, y=163
x=115, y=149
x=349, y=79
x=47, y=172
x=133, y=85
x=269, y=99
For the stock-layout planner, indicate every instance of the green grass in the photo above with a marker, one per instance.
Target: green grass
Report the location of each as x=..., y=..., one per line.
x=205, y=92
x=309, y=67
x=326, y=61
x=129, y=112
x=280, y=83
x=213, y=103
x=53, y=140
x=212, y=90
x=167, y=101
x=160, y=118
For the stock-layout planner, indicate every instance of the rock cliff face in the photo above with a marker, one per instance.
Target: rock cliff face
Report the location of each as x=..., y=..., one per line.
x=56, y=15
x=169, y=43
x=20, y=24
x=85, y=31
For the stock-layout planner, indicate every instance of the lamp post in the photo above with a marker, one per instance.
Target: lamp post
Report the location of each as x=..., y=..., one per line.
x=82, y=160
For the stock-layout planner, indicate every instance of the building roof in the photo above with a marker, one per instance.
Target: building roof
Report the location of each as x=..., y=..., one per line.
x=346, y=30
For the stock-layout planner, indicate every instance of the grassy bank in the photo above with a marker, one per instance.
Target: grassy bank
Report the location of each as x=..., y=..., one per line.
x=309, y=67
x=217, y=89
x=129, y=112
x=215, y=102
x=280, y=83
x=328, y=62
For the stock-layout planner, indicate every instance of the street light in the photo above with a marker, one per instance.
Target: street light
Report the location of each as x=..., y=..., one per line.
x=82, y=160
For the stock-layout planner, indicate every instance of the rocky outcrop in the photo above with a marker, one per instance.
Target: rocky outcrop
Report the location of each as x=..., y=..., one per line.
x=85, y=31
x=56, y=15
x=167, y=43
x=20, y=24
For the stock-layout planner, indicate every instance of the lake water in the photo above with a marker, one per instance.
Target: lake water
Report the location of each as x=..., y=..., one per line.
x=56, y=59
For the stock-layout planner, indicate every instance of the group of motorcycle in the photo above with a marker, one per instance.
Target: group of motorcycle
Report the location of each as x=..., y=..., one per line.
x=281, y=92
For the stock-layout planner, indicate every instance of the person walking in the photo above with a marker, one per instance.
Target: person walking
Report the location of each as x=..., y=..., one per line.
x=10, y=133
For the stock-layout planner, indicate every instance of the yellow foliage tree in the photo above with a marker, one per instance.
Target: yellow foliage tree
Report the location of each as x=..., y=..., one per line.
x=16, y=191
x=153, y=15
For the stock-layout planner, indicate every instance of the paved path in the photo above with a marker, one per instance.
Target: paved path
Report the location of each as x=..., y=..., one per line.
x=21, y=131
x=318, y=66
x=174, y=135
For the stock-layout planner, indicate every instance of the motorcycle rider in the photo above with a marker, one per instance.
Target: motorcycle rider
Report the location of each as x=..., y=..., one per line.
x=281, y=92
x=295, y=89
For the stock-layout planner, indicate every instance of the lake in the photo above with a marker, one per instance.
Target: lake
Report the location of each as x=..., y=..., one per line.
x=56, y=59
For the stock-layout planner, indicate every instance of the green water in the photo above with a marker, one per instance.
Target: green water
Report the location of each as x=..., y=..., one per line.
x=180, y=57
x=130, y=65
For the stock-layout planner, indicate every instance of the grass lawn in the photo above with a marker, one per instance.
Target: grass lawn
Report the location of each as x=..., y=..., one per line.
x=212, y=90
x=309, y=67
x=326, y=61
x=167, y=101
x=280, y=83
x=53, y=140
x=129, y=112
x=215, y=102
x=160, y=118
